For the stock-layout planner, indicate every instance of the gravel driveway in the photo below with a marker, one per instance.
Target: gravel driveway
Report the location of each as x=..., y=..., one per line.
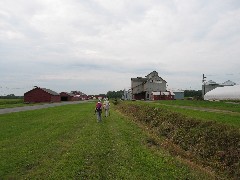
x=28, y=108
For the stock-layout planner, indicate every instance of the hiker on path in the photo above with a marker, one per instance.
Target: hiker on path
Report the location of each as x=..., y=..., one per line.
x=106, y=106
x=98, y=111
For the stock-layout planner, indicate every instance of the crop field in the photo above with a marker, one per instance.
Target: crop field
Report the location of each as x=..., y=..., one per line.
x=66, y=142
x=8, y=103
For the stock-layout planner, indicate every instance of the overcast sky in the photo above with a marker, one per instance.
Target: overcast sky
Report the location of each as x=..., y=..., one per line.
x=96, y=46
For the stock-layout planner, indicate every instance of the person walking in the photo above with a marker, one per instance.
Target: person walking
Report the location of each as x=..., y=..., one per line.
x=106, y=106
x=98, y=111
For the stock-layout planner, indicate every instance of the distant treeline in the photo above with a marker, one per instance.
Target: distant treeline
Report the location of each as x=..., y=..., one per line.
x=115, y=94
x=11, y=96
x=193, y=93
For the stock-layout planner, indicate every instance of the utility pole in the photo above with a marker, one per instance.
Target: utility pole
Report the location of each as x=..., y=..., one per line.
x=203, y=81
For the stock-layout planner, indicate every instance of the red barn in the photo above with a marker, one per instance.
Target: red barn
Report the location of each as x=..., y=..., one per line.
x=79, y=95
x=38, y=95
x=68, y=97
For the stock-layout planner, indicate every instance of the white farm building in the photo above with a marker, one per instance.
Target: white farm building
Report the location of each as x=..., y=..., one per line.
x=224, y=93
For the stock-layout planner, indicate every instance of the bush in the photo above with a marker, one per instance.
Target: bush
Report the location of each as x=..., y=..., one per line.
x=115, y=101
x=215, y=145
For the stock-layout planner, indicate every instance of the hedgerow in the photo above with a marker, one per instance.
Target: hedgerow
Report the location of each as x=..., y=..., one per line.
x=213, y=144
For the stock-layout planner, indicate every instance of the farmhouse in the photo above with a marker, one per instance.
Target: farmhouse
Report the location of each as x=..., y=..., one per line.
x=38, y=94
x=142, y=88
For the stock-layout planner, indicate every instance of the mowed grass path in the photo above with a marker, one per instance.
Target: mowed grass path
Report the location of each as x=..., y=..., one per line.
x=67, y=143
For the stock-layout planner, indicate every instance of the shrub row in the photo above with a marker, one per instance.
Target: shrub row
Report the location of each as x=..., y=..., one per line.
x=214, y=144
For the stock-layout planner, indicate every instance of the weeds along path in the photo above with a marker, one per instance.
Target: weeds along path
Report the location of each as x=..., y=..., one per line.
x=66, y=142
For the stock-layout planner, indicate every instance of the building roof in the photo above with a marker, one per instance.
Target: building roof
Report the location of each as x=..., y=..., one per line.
x=152, y=73
x=148, y=78
x=69, y=94
x=156, y=81
x=50, y=91
x=162, y=93
x=78, y=93
x=228, y=83
x=211, y=82
x=140, y=79
x=178, y=91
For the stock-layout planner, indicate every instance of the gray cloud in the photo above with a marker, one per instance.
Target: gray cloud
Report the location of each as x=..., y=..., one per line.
x=67, y=44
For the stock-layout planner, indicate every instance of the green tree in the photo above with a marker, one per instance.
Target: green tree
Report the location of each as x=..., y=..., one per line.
x=115, y=94
x=193, y=93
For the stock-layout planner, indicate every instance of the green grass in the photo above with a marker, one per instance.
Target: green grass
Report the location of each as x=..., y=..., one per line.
x=224, y=117
x=200, y=138
x=222, y=105
x=9, y=103
x=228, y=119
x=67, y=143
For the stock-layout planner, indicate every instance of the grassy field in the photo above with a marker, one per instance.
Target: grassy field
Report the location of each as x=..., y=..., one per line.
x=222, y=117
x=67, y=143
x=9, y=103
x=221, y=105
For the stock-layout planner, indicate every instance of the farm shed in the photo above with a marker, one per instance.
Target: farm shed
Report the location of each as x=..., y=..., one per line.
x=79, y=95
x=178, y=94
x=38, y=94
x=224, y=93
x=162, y=96
x=127, y=95
x=67, y=96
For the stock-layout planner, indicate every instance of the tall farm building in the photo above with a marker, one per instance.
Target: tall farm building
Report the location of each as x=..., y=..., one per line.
x=38, y=95
x=142, y=88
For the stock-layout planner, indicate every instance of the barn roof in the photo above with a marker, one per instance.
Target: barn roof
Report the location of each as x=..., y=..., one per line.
x=69, y=94
x=229, y=83
x=139, y=79
x=50, y=91
x=211, y=82
x=148, y=78
x=178, y=91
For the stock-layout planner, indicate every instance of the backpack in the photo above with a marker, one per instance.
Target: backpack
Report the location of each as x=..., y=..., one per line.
x=99, y=107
